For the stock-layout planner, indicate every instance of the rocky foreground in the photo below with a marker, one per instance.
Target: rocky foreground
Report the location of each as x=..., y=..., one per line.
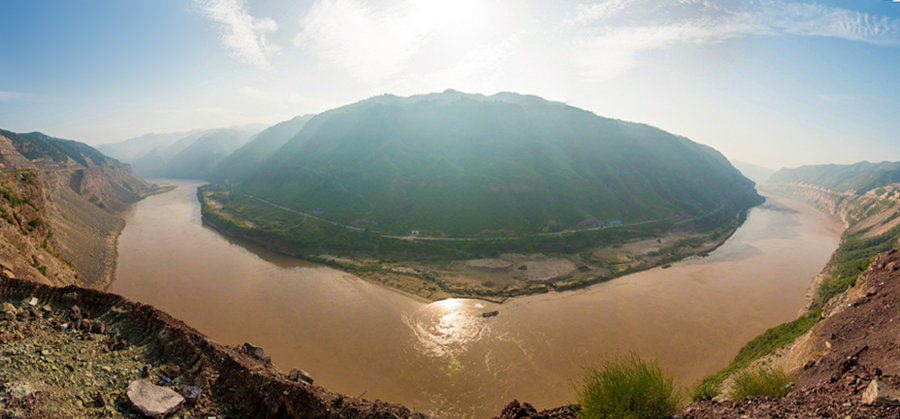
x=75, y=352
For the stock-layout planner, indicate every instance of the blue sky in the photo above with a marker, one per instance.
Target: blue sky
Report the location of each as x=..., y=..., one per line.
x=771, y=82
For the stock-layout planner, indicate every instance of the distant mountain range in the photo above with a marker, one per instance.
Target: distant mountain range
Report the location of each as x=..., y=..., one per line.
x=193, y=154
x=464, y=164
x=855, y=178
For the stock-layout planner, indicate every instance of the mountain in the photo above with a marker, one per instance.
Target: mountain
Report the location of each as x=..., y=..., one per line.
x=244, y=160
x=58, y=208
x=178, y=155
x=133, y=148
x=461, y=164
x=200, y=158
x=754, y=172
x=857, y=178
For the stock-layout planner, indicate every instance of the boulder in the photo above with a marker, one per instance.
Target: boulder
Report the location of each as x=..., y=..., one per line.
x=880, y=393
x=152, y=400
x=299, y=375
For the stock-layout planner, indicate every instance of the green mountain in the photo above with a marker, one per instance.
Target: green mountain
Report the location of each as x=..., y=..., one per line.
x=200, y=158
x=855, y=178
x=458, y=164
x=244, y=160
x=35, y=145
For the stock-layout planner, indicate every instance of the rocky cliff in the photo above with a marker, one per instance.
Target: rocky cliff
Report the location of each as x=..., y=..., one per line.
x=60, y=204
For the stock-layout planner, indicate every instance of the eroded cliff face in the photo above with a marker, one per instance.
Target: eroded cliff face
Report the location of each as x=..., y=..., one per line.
x=62, y=207
x=850, y=208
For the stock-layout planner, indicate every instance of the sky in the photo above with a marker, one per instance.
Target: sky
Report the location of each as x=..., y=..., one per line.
x=770, y=82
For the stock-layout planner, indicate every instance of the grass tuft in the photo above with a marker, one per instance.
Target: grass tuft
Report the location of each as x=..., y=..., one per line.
x=628, y=388
x=761, y=382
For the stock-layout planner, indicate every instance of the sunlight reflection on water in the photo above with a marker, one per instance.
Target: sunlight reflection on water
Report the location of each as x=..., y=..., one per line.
x=447, y=328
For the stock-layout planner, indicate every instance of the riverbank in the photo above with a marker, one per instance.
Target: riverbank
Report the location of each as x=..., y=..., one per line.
x=51, y=335
x=494, y=279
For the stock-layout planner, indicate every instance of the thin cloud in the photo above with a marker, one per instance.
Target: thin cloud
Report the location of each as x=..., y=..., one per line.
x=244, y=36
x=370, y=44
x=611, y=35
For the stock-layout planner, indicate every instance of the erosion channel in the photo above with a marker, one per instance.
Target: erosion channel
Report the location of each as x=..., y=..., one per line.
x=445, y=358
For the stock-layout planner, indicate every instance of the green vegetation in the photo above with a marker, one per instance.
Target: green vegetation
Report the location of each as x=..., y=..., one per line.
x=34, y=223
x=857, y=178
x=37, y=264
x=761, y=382
x=35, y=145
x=759, y=347
x=852, y=259
x=14, y=199
x=847, y=263
x=457, y=165
x=627, y=388
x=243, y=162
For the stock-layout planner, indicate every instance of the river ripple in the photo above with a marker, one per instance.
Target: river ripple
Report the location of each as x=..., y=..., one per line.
x=358, y=338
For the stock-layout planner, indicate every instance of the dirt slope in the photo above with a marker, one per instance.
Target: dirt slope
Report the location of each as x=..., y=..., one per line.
x=856, y=340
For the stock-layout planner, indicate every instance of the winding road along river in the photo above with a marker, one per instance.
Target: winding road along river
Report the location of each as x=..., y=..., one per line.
x=444, y=358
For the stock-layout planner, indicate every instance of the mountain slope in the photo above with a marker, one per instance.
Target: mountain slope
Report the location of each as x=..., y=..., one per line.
x=459, y=164
x=59, y=203
x=853, y=178
x=238, y=165
x=199, y=159
x=133, y=148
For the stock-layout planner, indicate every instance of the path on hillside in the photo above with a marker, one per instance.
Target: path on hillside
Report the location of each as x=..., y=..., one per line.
x=411, y=237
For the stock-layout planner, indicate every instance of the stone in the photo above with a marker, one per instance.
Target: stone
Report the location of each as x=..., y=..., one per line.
x=9, y=308
x=190, y=393
x=7, y=274
x=299, y=375
x=33, y=302
x=152, y=400
x=880, y=393
x=98, y=327
x=257, y=353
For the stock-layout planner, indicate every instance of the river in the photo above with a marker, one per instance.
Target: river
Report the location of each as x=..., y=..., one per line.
x=444, y=358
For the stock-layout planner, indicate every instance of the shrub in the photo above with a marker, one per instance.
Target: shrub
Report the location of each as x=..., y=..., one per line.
x=627, y=388
x=761, y=382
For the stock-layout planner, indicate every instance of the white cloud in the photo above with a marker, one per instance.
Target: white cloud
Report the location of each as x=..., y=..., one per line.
x=244, y=36
x=370, y=44
x=599, y=11
x=607, y=47
x=387, y=40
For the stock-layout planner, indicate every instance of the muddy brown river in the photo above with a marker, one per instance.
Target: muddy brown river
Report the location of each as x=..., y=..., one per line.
x=444, y=358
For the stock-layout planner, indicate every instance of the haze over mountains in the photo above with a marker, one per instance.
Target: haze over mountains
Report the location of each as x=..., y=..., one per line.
x=855, y=178
x=193, y=154
x=462, y=164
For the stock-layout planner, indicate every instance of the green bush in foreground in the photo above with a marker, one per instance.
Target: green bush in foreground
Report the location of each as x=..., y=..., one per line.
x=761, y=382
x=627, y=388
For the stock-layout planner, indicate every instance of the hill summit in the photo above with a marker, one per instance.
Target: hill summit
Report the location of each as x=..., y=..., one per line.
x=456, y=164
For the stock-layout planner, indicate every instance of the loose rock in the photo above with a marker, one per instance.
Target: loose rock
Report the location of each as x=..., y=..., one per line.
x=152, y=400
x=299, y=375
x=880, y=393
